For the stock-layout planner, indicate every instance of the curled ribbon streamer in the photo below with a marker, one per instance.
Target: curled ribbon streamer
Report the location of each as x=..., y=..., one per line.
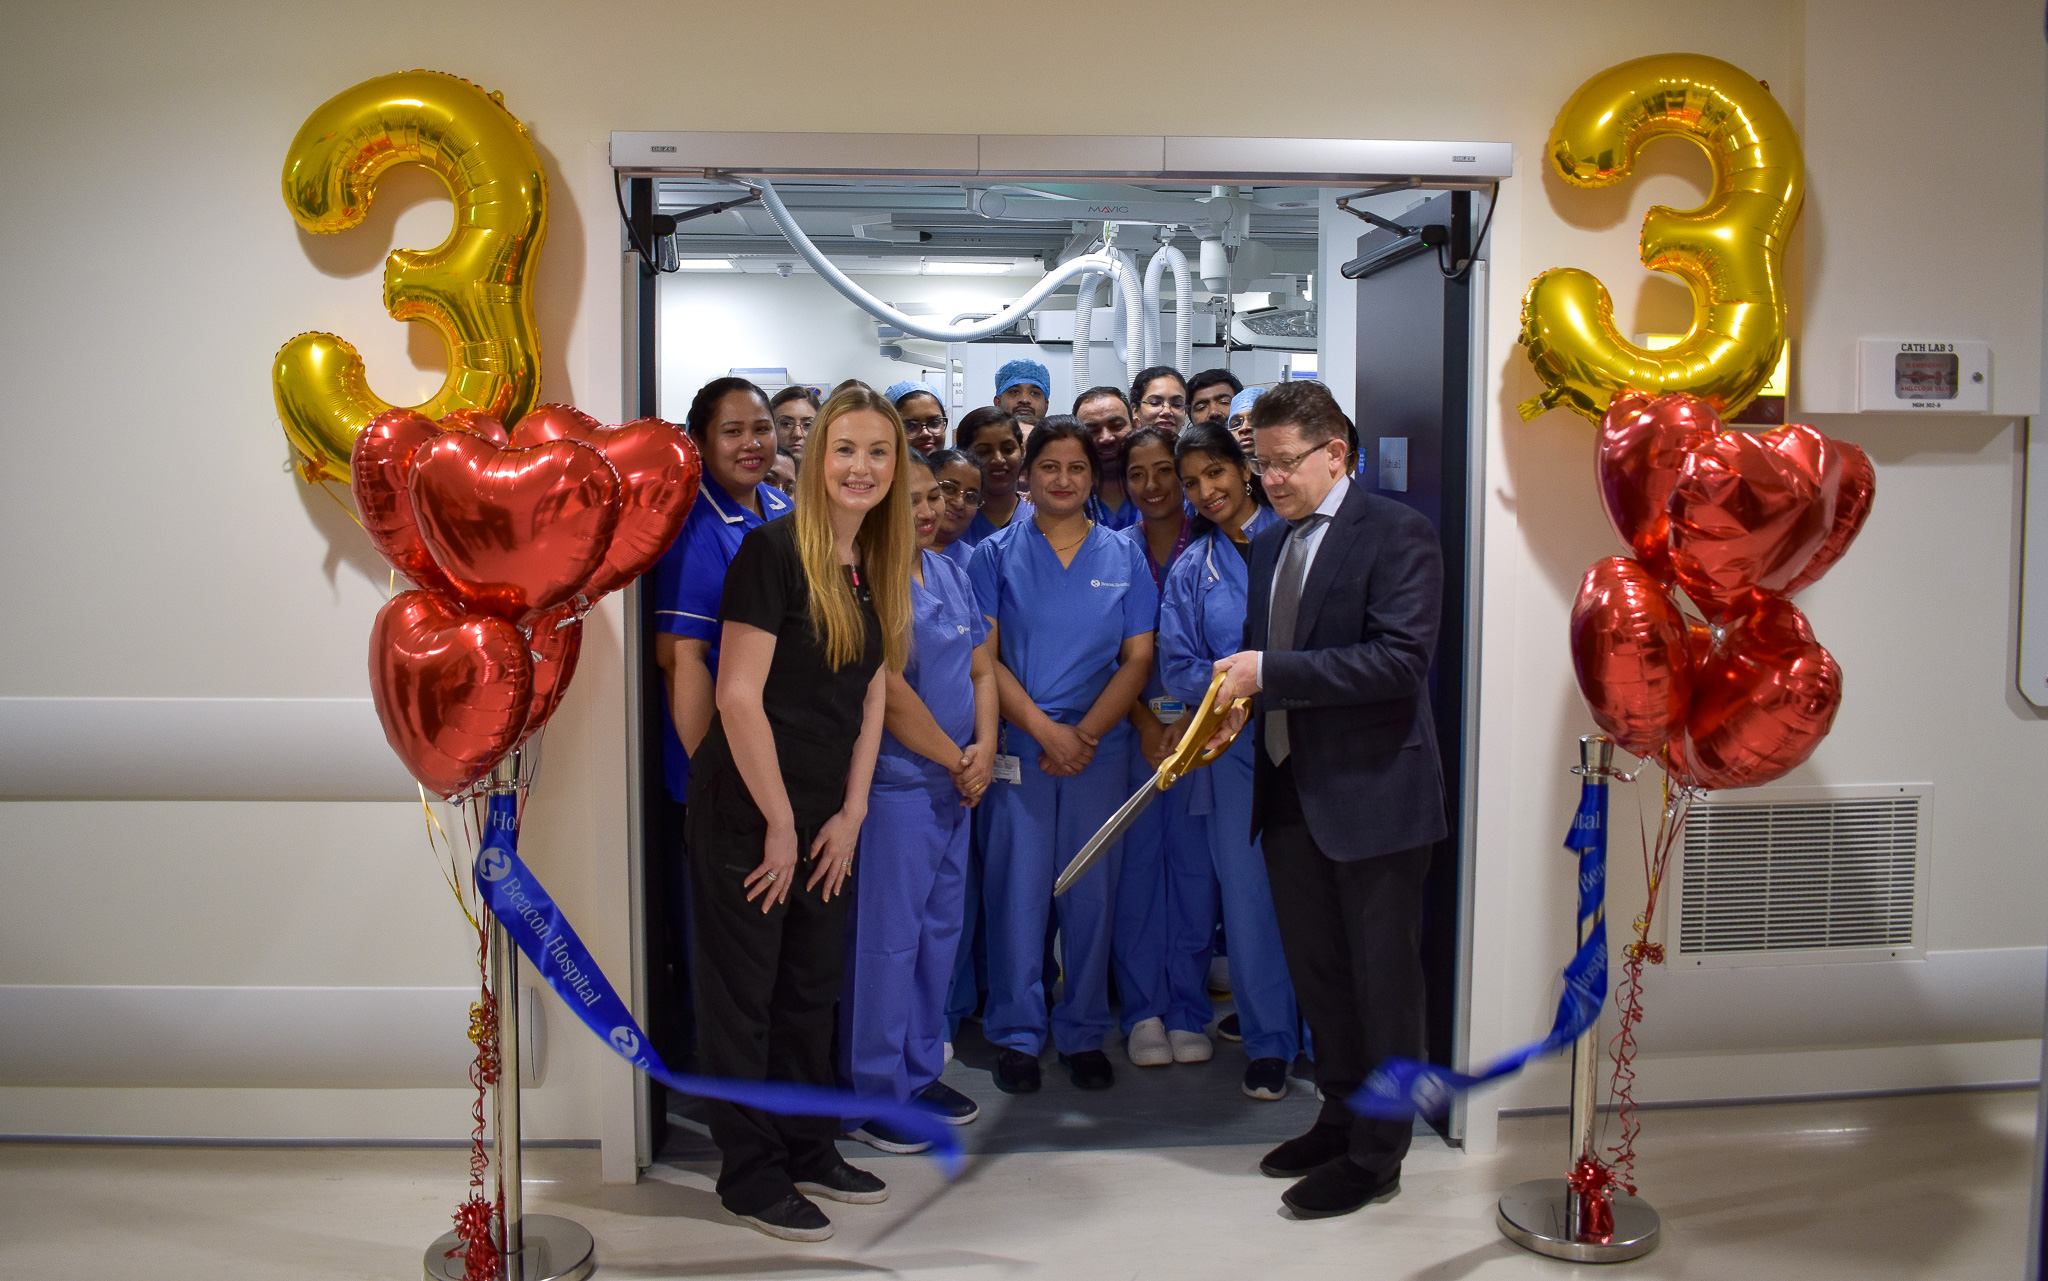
x=1399, y=1088
x=537, y=926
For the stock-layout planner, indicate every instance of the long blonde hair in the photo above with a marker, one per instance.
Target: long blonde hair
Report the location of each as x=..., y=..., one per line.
x=884, y=545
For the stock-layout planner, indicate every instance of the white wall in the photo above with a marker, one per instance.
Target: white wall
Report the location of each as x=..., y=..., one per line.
x=161, y=549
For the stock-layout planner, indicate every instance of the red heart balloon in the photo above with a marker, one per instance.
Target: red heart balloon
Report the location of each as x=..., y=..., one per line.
x=658, y=467
x=1641, y=446
x=379, y=463
x=1853, y=501
x=517, y=531
x=1761, y=703
x=476, y=422
x=1629, y=648
x=1747, y=514
x=452, y=689
x=554, y=645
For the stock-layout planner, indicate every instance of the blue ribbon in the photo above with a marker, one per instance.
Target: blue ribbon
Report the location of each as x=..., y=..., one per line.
x=536, y=924
x=1400, y=1088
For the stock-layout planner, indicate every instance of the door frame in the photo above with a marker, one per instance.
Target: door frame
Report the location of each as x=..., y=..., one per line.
x=637, y=157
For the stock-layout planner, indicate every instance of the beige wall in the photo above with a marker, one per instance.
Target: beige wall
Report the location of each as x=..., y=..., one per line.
x=160, y=548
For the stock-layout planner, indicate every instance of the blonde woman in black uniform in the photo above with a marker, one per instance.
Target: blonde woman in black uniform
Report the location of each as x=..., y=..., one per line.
x=814, y=606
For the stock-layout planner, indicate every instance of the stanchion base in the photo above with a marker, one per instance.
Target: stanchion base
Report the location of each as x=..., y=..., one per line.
x=1533, y=1216
x=557, y=1249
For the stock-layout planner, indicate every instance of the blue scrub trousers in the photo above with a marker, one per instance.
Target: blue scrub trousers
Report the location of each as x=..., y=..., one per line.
x=1165, y=911
x=909, y=897
x=1259, y=982
x=970, y=959
x=1035, y=828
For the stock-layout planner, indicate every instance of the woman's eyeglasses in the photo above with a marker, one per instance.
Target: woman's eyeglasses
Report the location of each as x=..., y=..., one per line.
x=1164, y=402
x=915, y=425
x=959, y=494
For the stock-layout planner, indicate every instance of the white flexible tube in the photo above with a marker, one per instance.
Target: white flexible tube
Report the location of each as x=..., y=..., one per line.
x=1183, y=312
x=1084, y=325
x=1131, y=291
x=875, y=307
x=1153, y=270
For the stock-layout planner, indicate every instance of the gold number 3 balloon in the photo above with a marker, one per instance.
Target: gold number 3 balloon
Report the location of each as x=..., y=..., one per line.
x=476, y=288
x=1731, y=250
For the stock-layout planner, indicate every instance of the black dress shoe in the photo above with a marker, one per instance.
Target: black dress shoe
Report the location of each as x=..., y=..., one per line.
x=1266, y=1079
x=1322, y=1144
x=846, y=1183
x=1016, y=1072
x=1338, y=1187
x=793, y=1218
x=1089, y=1069
x=1228, y=1028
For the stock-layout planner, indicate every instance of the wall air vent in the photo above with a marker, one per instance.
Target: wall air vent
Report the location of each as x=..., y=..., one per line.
x=1783, y=876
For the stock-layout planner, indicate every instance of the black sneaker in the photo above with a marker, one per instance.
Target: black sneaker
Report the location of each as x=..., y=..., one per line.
x=848, y=1184
x=954, y=1108
x=1227, y=1027
x=887, y=1138
x=1322, y=1144
x=1266, y=1079
x=1016, y=1072
x=793, y=1218
x=1089, y=1070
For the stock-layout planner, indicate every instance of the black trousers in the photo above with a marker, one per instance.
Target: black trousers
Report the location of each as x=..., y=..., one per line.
x=1352, y=933
x=767, y=995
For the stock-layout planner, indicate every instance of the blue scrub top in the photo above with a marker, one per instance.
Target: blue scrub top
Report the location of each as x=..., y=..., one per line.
x=1155, y=689
x=1122, y=518
x=946, y=625
x=1202, y=611
x=980, y=528
x=1060, y=627
x=959, y=551
x=689, y=581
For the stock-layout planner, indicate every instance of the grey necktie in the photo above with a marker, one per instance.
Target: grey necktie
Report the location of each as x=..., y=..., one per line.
x=1280, y=621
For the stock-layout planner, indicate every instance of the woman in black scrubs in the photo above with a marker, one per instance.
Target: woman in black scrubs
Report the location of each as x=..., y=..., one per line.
x=814, y=606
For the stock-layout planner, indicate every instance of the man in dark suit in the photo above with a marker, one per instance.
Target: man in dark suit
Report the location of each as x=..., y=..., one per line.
x=1345, y=600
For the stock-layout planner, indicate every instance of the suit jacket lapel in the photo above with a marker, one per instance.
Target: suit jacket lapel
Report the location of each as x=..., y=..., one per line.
x=1339, y=541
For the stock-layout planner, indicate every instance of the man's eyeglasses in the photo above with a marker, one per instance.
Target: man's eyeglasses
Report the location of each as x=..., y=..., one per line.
x=1285, y=466
x=959, y=494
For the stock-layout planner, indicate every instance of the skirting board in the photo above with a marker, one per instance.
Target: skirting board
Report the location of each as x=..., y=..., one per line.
x=1678, y=1079
x=283, y=1117
x=265, y=1037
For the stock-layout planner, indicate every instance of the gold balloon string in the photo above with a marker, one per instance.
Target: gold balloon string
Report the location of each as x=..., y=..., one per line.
x=443, y=849
x=327, y=488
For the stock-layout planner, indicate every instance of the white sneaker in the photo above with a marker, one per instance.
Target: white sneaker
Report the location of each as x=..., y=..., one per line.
x=1219, y=976
x=949, y=1044
x=1190, y=1047
x=1148, y=1046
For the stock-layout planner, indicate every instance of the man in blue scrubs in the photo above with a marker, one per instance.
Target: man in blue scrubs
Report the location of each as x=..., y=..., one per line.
x=1024, y=390
x=1105, y=414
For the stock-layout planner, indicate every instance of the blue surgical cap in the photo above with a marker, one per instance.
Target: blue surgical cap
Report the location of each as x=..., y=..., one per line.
x=1023, y=371
x=1241, y=403
x=910, y=386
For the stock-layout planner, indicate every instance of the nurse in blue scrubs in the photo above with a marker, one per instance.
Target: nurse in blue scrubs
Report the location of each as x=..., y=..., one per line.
x=1073, y=607
x=735, y=433
x=938, y=747
x=996, y=439
x=1201, y=619
x=959, y=479
x=1166, y=892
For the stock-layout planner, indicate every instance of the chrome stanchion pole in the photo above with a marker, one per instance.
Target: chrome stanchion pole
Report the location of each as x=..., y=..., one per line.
x=1547, y=1215
x=538, y=1247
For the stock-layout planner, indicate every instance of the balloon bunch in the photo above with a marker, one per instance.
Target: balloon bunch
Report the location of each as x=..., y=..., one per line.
x=1740, y=522
x=509, y=540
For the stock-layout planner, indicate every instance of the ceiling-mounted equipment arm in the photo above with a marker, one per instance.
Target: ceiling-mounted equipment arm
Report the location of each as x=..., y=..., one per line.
x=874, y=306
